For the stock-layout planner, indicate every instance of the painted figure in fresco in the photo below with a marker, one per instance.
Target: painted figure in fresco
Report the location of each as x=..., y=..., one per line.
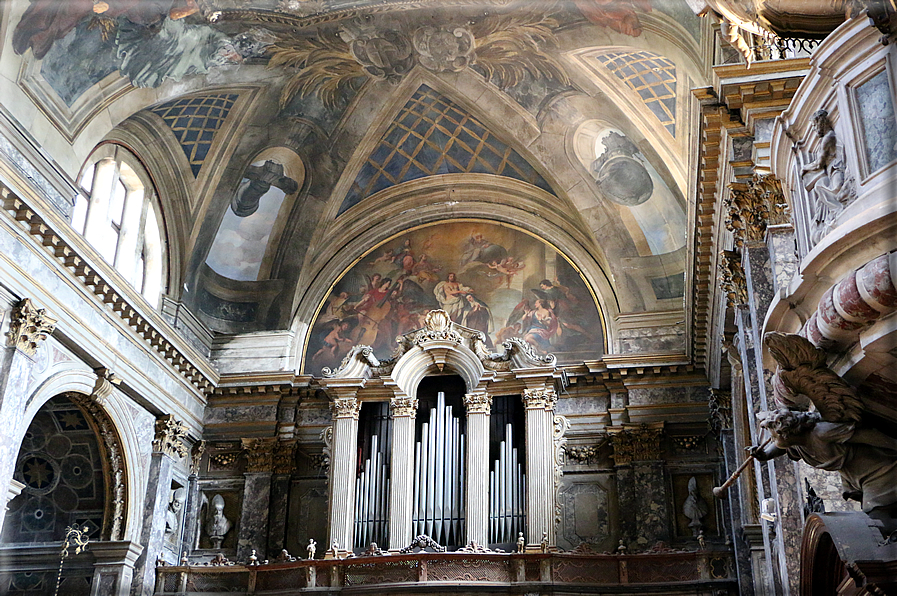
x=450, y=294
x=425, y=270
x=563, y=303
x=478, y=317
x=336, y=343
x=540, y=325
x=619, y=15
x=509, y=267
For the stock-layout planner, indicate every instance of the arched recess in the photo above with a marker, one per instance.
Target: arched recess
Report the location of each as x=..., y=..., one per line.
x=118, y=437
x=431, y=200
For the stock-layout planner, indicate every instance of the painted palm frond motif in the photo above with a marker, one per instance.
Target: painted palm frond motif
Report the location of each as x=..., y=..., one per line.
x=325, y=67
x=509, y=48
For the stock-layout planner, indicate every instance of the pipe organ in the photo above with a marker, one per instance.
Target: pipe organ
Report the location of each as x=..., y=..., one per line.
x=507, y=490
x=438, y=505
x=372, y=478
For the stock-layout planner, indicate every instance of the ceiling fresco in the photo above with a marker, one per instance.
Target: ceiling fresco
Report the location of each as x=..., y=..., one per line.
x=487, y=277
x=368, y=98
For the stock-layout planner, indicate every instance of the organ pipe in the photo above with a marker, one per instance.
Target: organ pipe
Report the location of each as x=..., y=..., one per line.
x=438, y=476
x=372, y=481
x=507, y=483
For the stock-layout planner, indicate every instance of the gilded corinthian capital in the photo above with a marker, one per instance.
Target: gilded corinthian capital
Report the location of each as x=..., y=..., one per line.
x=540, y=399
x=478, y=403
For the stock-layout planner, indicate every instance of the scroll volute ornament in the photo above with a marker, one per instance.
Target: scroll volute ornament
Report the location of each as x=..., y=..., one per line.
x=28, y=327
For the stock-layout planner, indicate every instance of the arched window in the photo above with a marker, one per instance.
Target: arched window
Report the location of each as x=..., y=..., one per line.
x=117, y=213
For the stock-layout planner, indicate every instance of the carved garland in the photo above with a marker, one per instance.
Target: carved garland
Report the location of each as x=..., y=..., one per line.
x=731, y=278
x=114, y=469
x=753, y=205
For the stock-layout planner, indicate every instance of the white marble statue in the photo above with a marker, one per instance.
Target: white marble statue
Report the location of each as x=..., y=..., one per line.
x=218, y=525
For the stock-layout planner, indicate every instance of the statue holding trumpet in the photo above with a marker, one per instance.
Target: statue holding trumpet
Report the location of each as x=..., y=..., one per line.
x=819, y=420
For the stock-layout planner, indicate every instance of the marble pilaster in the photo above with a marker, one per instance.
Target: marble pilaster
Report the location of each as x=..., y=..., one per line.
x=540, y=495
x=476, y=496
x=253, y=528
x=284, y=466
x=401, y=466
x=345, y=408
x=113, y=567
x=152, y=531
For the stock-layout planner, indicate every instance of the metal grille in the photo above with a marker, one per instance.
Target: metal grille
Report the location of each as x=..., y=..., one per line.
x=652, y=77
x=469, y=570
x=585, y=571
x=431, y=135
x=665, y=570
x=381, y=573
x=171, y=582
x=532, y=571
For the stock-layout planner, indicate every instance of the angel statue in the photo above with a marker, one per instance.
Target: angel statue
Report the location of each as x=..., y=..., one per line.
x=819, y=420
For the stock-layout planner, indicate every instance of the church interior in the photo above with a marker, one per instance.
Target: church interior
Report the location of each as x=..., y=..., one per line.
x=448, y=296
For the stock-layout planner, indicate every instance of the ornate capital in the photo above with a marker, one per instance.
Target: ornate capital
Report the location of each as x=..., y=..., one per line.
x=345, y=407
x=636, y=442
x=403, y=406
x=478, y=403
x=170, y=434
x=259, y=454
x=731, y=278
x=751, y=206
x=720, y=407
x=285, y=457
x=28, y=327
x=540, y=399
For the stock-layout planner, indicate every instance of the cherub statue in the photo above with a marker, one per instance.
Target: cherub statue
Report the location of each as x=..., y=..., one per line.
x=544, y=543
x=311, y=548
x=819, y=421
x=521, y=543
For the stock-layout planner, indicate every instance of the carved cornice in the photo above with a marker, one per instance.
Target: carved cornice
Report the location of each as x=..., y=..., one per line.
x=731, y=278
x=636, y=442
x=170, y=434
x=28, y=327
x=259, y=454
x=403, y=406
x=478, y=403
x=116, y=489
x=751, y=206
x=285, y=457
x=154, y=331
x=345, y=407
x=540, y=399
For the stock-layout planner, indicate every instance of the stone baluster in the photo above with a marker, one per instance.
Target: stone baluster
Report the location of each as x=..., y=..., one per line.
x=478, y=407
x=540, y=495
x=401, y=496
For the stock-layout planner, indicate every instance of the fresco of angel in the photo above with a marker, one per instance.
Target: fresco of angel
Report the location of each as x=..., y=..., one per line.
x=820, y=420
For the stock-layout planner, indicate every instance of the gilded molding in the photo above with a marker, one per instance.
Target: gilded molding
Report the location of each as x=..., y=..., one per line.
x=403, y=406
x=478, y=403
x=259, y=454
x=170, y=434
x=28, y=327
x=345, y=407
x=731, y=278
x=636, y=442
x=540, y=399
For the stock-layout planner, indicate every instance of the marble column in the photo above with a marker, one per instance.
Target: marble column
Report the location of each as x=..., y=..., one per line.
x=476, y=496
x=401, y=469
x=539, y=404
x=256, y=498
x=28, y=327
x=345, y=408
x=167, y=445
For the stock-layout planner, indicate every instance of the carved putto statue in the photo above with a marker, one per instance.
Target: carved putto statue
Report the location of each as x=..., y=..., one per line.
x=695, y=508
x=831, y=187
x=820, y=422
x=311, y=548
x=218, y=525
x=521, y=543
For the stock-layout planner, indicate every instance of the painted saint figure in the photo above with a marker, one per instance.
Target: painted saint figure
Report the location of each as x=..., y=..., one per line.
x=450, y=294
